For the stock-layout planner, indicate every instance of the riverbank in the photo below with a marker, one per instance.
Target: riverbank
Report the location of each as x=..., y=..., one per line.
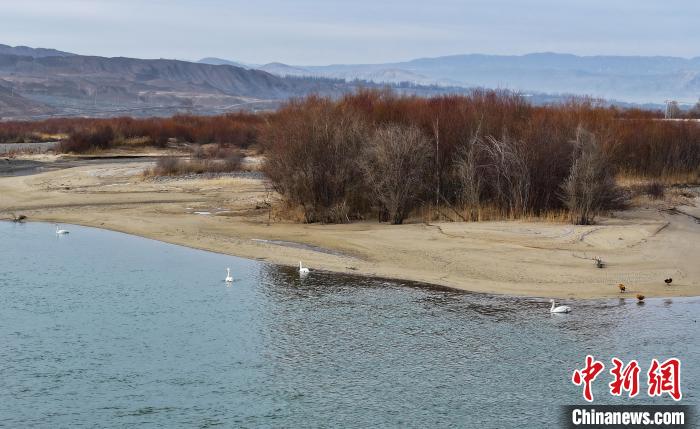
x=641, y=247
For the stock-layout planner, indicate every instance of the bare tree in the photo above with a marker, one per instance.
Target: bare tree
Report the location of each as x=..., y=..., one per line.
x=468, y=178
x=695, y=111
x=507, y=173
x=313, y=158
x=590, y=186
x=673, y=110
x=395, y=165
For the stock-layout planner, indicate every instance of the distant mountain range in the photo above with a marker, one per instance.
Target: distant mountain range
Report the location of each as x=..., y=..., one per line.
x=15, y=105
x=625, y=78
x=26, y=51
x=36, y=83
x=220, y=62
x=39, y=82
x=377, y=73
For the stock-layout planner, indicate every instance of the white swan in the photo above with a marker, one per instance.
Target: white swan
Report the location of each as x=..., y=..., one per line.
x=229, y=279
x=560, y=309
x=61, y=231
x=303, y=270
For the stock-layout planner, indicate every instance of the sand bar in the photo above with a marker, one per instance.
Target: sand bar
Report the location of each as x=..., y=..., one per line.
x=640, y=247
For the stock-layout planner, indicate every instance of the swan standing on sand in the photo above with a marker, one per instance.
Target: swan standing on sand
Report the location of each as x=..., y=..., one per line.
x=229, y=279
x=303, y=270
x=61, y=231
x=560, y=309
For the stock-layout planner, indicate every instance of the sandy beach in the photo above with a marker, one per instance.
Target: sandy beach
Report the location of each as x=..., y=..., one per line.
x=641, y=246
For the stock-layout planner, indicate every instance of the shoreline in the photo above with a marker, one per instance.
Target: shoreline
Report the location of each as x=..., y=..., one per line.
x=408, y=282
x=511, y=258
x=412, y=282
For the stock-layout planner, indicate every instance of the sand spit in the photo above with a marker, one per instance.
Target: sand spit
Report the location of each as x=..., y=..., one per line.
x=640, y=247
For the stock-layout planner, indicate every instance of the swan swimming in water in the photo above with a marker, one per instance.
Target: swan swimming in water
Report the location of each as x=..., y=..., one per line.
x=560, y=309
x=303, y=270
x=61, y=231
x=229, y=279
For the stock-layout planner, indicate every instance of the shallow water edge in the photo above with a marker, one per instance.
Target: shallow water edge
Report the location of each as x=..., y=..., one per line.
x=372, y=276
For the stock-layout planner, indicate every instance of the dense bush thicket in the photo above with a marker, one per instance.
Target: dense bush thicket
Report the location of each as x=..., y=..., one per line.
x=373, y=153
x=99, y=137
x=316, y=146
x=239, y=129
x=487, y=152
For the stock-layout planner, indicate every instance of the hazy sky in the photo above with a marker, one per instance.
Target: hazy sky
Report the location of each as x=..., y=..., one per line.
x=357, y=31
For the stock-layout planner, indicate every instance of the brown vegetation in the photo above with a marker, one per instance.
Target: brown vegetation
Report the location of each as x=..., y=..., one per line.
x=99, y=137
x=174, y=166
x=483, y=155
x=214, y=159
x=655, y=189
x=490, y=151
x=316, y=145
x=590, y=186
x=85, y=134
x=395, y=166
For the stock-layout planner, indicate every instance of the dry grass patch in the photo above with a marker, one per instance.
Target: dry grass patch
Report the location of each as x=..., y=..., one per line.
x=176, y=166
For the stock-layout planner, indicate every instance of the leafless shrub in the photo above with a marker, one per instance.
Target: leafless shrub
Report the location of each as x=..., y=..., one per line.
x=695, y=111
x=232, y=162
x=198, y=152
x=590, y=186
x=507, y=173
x=395, y=166
x=174, y=166
x=312, y=161
x=167, y=166
x=468, y=178
x=655, y=189
x=101, y=137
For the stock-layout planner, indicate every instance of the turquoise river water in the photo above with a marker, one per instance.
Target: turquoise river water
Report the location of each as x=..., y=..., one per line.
x=102, y=329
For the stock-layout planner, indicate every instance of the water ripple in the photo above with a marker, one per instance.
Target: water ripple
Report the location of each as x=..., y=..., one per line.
x=107, y=330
